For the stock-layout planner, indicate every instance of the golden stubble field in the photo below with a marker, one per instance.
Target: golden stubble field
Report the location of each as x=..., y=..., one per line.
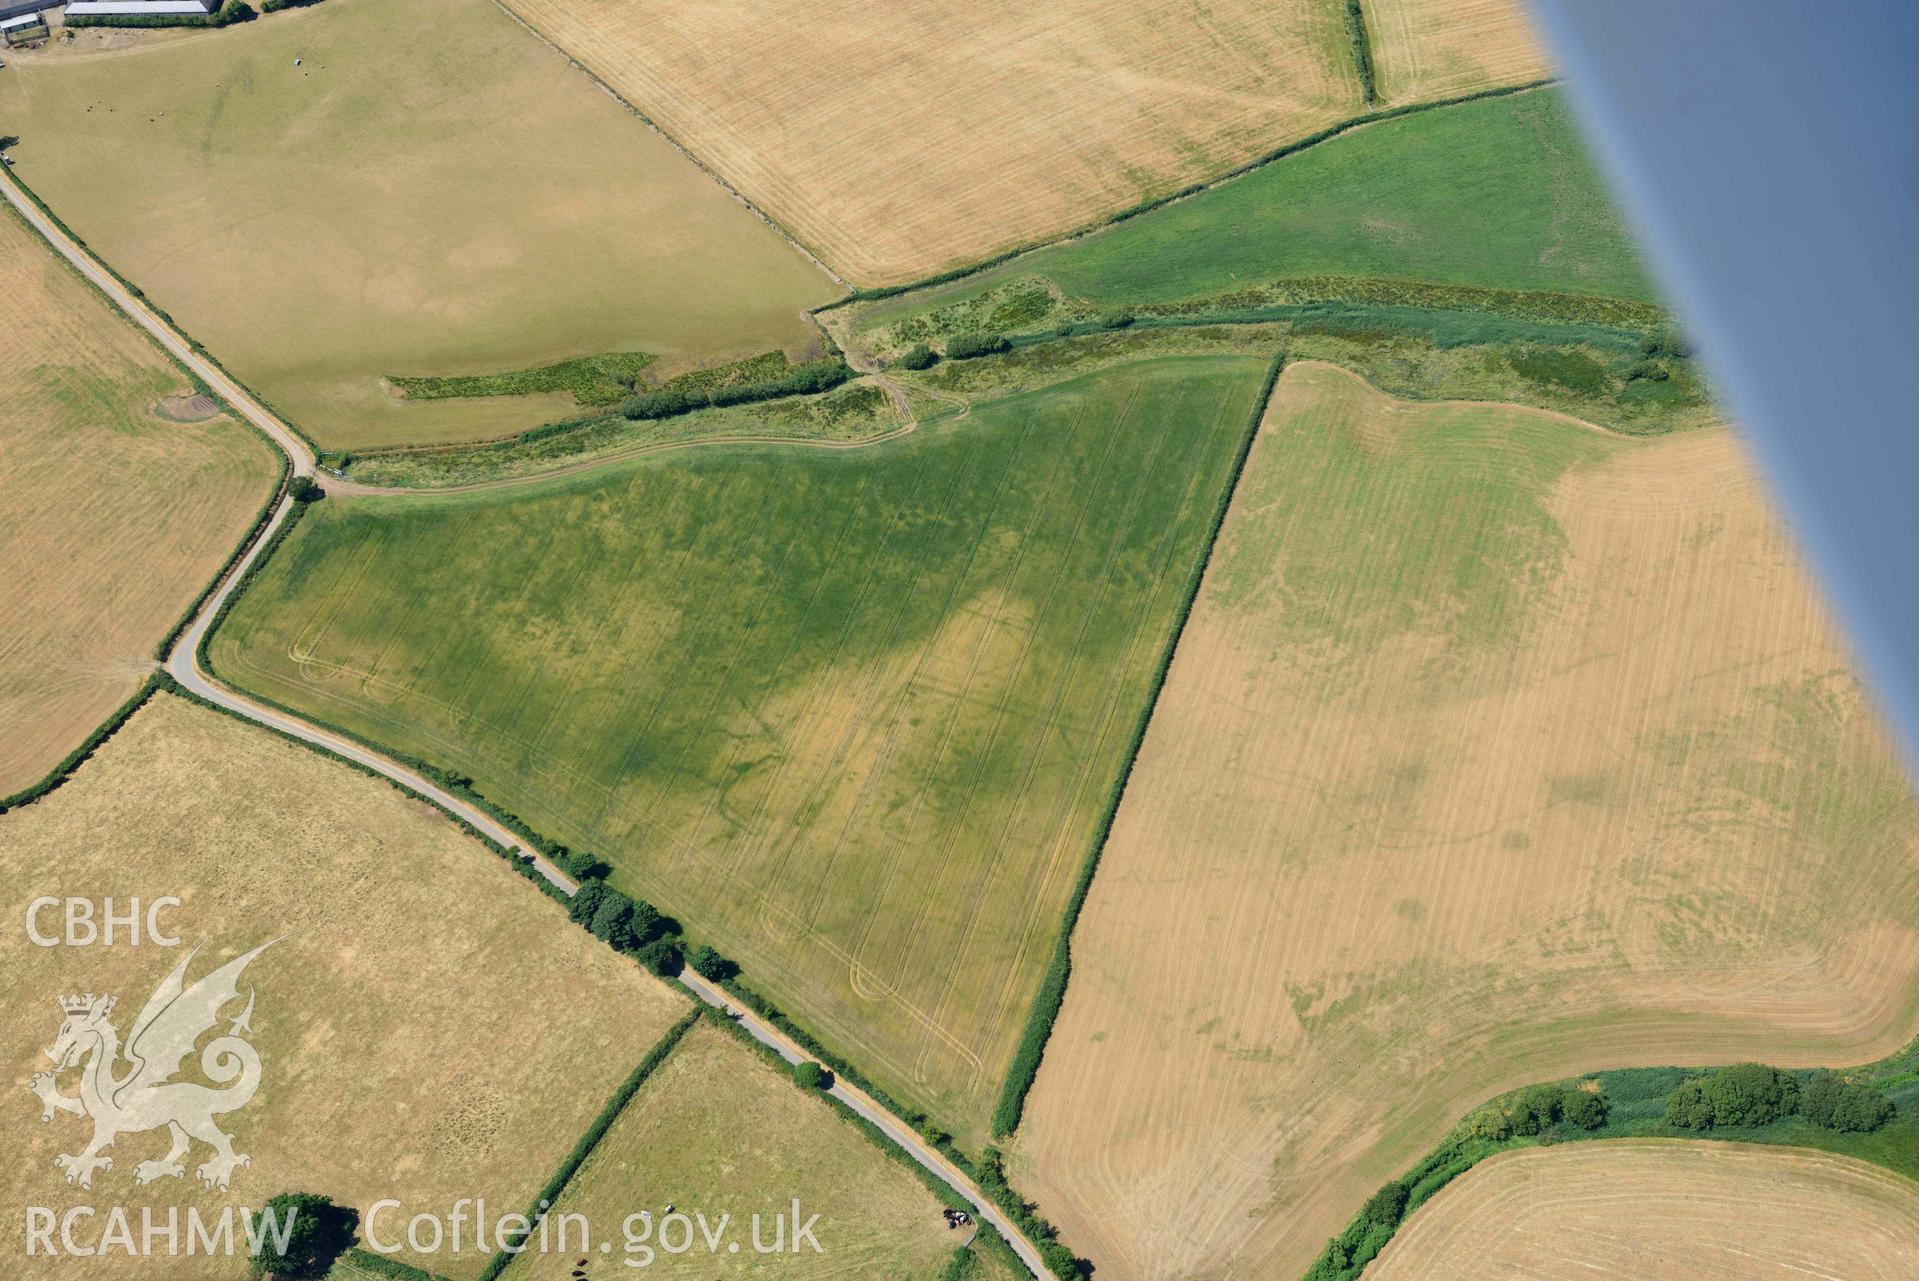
x=331, y=196
x=430, y=1026
x=1662, y=1211
x=112, y=520
x=1425, y=49
x=718, y=1132
x=898, y=140
x=1497, y=749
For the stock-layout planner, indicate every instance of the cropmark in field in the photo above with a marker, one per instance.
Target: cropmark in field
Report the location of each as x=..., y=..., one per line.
x=112, y=518
x=1662, y=1212
x=1498, y=749
x=851, y=715
x=368, y=189
x=428, y=1027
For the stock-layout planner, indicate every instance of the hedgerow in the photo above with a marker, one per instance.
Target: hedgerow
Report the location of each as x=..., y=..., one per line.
x=591, y=1139
x=1052, y=990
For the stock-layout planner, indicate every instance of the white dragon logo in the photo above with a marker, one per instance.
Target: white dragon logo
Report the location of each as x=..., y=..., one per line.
x=145, y=1097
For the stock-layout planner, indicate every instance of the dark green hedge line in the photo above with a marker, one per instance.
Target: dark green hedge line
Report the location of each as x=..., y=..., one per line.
x=274, y=6
x=594, y=1133
x=73, y=760
x=590, y=380
x=1052, y=990
x=1192, y=189
x=670, y=401
x=365, y=1260
x=1750, y=1103
x=229, y=13
x=254, y=530
x=1388, y=291
x=1362, y=50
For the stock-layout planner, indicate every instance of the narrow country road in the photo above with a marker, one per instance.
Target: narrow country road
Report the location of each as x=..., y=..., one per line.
x=182, y=663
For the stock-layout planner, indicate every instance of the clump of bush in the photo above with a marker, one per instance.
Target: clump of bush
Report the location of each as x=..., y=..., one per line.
x=274, y=6
x=918, y=356
x=1752, y=1094
x=809, y=1075
x=802, y=380
x=316, y=1232
x=972, y=346
x=710, y=965
x=1745, y=1094
x=1116, y=320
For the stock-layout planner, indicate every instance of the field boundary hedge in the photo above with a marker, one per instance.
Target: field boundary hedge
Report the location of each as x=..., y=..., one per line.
x=1192, y=189
x=1051, y=996
x=1348, y=1255
x=590, y=1140
x=752, y=206
x=1362, y=50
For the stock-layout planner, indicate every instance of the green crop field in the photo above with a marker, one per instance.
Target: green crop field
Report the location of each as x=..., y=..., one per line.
x=1493, y=194
x=853, y=716
x=368, y=189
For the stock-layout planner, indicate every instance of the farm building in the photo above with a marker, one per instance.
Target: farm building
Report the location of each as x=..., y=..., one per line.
x=138, y=8
x=10, y=9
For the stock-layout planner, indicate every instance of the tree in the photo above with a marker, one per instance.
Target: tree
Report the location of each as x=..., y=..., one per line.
x=1837, y=1104
x=586, y=903
x=1746, y=1094
x=301, y=489
x=315, y=1232
x=1488, y=1122
x=809, y=1075
x=662, y=957
x=1535, y=1109
x=969, y=346
x=918, y=356
x=1386, y=1206
x=612, y=921
x=1583, y=1108
x=711, y=965
x=646, y=923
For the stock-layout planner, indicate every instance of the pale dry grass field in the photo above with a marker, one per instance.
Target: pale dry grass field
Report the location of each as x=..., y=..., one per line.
x=336, y=195
x=430, y=1026
x=718, y=1131
x=1662, y=1211
x=1497, y=749
x=898, y=140
x=1425, y=49
x=112, y=520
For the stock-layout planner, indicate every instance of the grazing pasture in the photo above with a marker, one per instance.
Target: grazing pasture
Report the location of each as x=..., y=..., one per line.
x=112, y=519
x=852, y=716
x=1662, y=1212
x=333, y=197
x=1498, y=749
x=1426, y=49
x=429, y=1026
x=719, y=1131
x=904, y=139
x=1493, y=194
